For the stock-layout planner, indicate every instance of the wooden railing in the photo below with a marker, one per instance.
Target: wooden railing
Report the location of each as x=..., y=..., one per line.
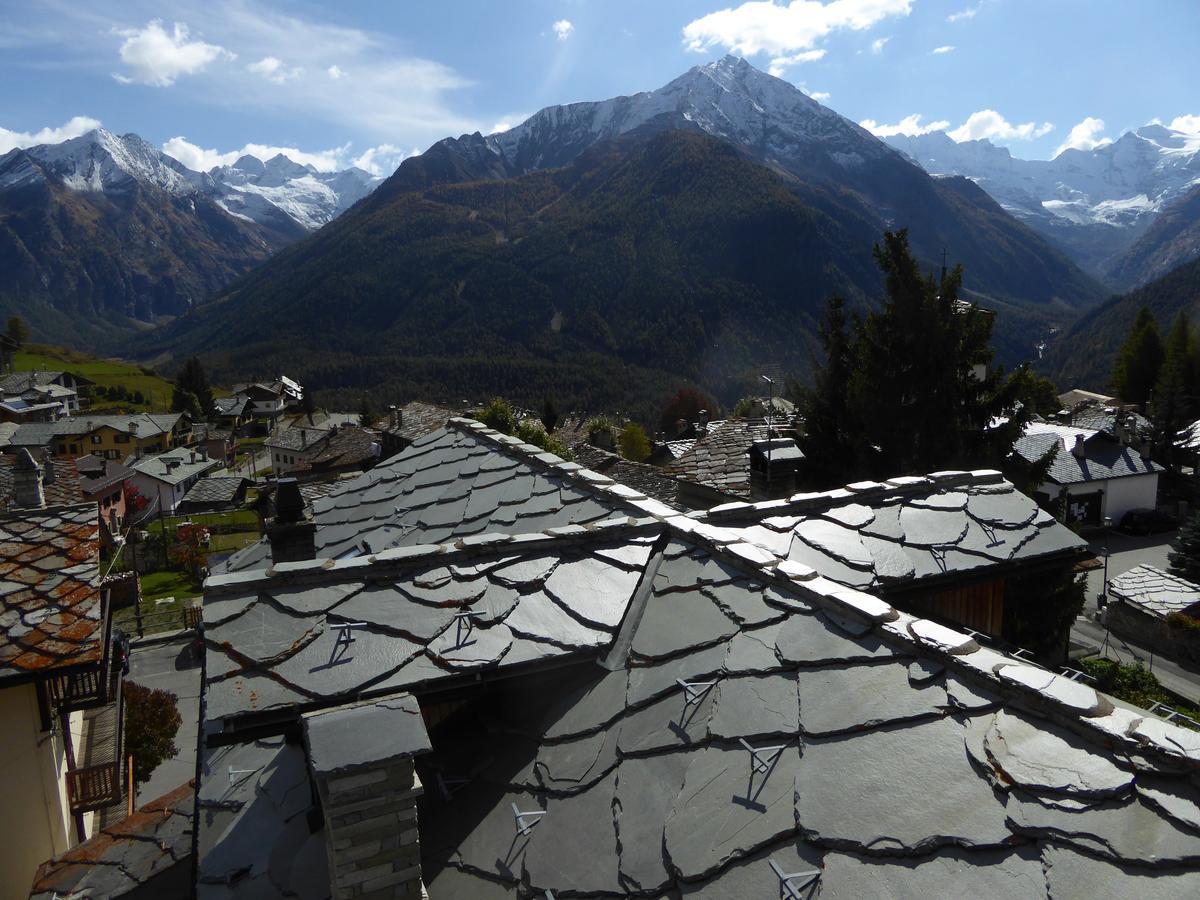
x=78, y=690
x=94, y=787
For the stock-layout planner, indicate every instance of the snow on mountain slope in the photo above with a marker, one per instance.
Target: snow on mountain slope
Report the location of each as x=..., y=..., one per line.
x=1117, y=184
x=253, y=189
x=278, y=192
x=728, y=99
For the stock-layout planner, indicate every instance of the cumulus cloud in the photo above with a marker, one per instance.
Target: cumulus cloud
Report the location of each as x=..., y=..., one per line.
x=987, y=123
x=384, y=159
x=820, y=96
x=780, y=63
x=509, y=121
x=335, y=73
x=763, y=26
x=157, y=57
x=1186, y=124
x=77, y=125
x=909, y=125
x=945, y=48
x=274, y=70
x=1087, y=135
x=563, y=29
x=878, y=44
x=963, y=14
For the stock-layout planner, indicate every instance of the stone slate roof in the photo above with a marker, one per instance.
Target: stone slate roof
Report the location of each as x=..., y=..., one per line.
x=1104, y=418
x=66, y=489
x=19, y=382
x=1155, y=591
x=419, y=419
x=97, y=475
x=298, y=437
x=34, y=435
x=127, y=856
x=893, y=756
x=650, y=480
x=1103, y=458
x=350, y=445
x=721, y=459
x=51, y=612
x=271, y=640
x=461, y=480
x=231, y=406
x=156, y=466
x=873, y=535
x=216, y=489
x=147, y=424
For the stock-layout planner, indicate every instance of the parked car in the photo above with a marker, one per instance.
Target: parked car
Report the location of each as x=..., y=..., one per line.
x=1147, y=521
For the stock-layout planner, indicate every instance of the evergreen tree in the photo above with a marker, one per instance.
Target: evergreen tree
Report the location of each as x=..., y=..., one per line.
x=192, y=393
x=827, y=441
x=308, y=405
x=366, y=413
x=1139, y=361
x=18, y=331
x=1184, y=558
x=549, y=414
x=1173, y=393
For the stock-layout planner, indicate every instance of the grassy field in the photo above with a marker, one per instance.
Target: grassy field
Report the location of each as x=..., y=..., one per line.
x=105, y=372
x=244, y=519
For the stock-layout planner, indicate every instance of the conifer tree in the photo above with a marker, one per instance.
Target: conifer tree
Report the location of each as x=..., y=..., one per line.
x=192, y=393
x=1138, y=361
x=826, y=441
x=1184, y=558
x=1173, y=393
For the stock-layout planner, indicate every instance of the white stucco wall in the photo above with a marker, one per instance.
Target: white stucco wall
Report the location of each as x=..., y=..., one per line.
x=36, y=824
x=1120, y=494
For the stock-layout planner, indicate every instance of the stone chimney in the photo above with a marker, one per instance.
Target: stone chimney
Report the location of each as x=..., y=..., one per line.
x=27, y=482
x=393, y=416
x=1077, y=448
x=703, y=423
x=303, y=438
x=48, y=474
x=361, y=759
x=292, y=532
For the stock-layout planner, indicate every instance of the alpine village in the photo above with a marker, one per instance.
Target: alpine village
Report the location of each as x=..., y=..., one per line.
x=696, y=493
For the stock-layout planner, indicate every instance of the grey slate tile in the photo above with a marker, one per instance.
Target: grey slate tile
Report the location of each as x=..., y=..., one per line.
x=814, y=640
x=648, y=682
x=753, y=705
x=596, y=592
x=537, y=616
x=743, y=602
x=479, y=647
x=1070, y=873
x=679, y=621
x=854, y=698
x=325, y=669
x=1001, y=874
x=390, y=609
x=724, y=811
x=576, y=842
x=265, y=634
x=645, y=793
x=666, y=724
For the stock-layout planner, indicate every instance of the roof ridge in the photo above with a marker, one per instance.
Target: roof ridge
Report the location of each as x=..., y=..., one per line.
x=891, y=488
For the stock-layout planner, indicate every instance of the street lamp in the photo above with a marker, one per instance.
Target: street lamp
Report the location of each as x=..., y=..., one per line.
x=1104, y=588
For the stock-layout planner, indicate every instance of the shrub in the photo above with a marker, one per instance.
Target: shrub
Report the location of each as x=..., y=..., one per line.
x=151, y=722
x=601, y=431
x=531, y=433
x=635, y=445
x=498, y=414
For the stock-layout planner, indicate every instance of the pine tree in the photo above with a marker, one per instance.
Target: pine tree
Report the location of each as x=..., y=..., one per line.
x=1173, y=393
x=634, y=443
x=827, y=441
x=18, y=331
x=549, y=414
x=366, y=413
x=192, y=393
x=1139, y=361
x=1184, y=558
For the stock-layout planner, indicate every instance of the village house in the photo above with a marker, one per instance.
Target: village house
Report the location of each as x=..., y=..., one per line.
x=296, y=447
x=476, y=659
x=103, y=481
x=231, y=413
x=348, y=448
x=59, y=390
x=407, y=423
x=217, y=443
x=114, y=437
x=215, y=493
x=736, y=459
x=60, y=683
x=1100, y=476
x=269, y=400
x=1141, y=604
x=166, y=479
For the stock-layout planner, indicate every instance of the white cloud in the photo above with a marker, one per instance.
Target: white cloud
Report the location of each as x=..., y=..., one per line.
x=762, y=26
x=158, y=58
x=509, y=121
x=877, y=45
x=380, y=160
x=909, y=125
x=945, y=48
x=11, y=140
x=1186, y=124
x=274, y=70
x=820, y=96
x=987, y=123
x=780, y=63
x=1087, y=135
x=963, y=14
x=563, y=29
x=335, y=73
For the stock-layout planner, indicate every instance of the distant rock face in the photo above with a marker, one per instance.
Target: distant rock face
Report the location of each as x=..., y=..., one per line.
x=107, y=227
x=1094, y=204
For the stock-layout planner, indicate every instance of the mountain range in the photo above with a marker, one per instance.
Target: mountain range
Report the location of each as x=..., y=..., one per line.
x=692, y=231
x=1125, y=211
x=101, y=231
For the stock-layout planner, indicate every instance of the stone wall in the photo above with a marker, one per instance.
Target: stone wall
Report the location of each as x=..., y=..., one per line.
x=371, y=830
x=1152, y=633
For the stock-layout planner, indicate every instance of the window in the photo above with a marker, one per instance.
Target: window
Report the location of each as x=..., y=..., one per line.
x=122, y=439
x=74, y=448
x=96, y=439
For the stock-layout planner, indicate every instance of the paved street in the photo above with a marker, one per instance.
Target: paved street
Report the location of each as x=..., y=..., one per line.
x=1127, y=551
x=171, y=667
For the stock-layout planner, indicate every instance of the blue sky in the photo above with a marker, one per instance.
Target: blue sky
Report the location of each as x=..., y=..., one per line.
x=369, y=82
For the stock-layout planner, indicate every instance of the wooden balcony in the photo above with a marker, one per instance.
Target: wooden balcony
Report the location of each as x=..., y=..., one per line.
x=98, y=780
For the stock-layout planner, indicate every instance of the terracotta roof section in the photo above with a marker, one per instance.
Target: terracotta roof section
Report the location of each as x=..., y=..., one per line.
x=51, y=612
x=127, y=856
x=721, y=458
x=65, y=488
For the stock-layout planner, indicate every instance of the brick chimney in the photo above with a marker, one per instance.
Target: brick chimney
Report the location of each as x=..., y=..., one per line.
x=27, y=482
x=361, y=759
x=292, y=532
